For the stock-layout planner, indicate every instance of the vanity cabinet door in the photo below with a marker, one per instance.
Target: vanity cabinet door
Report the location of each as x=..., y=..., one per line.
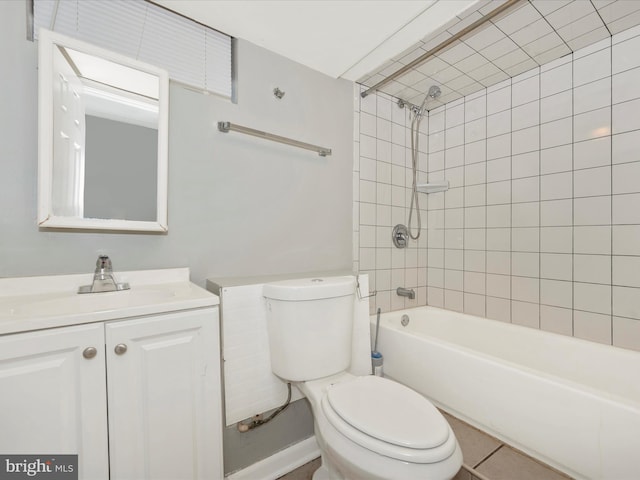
x=53, y=396
x=163, y=377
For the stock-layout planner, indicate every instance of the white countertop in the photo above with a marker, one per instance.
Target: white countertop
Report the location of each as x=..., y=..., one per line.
x=34, y=303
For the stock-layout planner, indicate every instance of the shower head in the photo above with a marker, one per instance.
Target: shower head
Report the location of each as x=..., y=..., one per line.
x=434, y=91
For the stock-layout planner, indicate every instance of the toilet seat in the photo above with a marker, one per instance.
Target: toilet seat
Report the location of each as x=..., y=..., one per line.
x=389, y=419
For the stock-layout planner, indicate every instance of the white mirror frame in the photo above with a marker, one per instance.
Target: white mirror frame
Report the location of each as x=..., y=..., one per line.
x=46, y=219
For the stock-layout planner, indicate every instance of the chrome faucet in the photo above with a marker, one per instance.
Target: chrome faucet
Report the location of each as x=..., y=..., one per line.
x=406, y=292
x=103, y=278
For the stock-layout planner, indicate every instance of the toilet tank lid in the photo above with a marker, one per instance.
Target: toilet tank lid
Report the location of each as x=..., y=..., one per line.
x=310, y=288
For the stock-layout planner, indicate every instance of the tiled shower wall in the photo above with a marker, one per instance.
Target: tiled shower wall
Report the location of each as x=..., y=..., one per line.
x=382, y=195
x=541, y=225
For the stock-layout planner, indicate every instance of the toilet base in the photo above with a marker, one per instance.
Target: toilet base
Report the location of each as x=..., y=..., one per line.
x=321, y=474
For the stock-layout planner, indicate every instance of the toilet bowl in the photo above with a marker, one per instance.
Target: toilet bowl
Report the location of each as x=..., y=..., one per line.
x=367, y=427
x=375, y=429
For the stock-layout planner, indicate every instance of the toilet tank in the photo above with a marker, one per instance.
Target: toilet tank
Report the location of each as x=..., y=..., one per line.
x=310, y=322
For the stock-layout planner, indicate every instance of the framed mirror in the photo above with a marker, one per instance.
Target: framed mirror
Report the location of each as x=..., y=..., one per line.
x=102, y=152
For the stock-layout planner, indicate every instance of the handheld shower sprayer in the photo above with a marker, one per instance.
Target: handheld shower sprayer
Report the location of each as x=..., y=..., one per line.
x=433, y=93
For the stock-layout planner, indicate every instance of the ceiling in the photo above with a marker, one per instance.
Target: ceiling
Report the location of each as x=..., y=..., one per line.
x=529, y=34
x=368, y=40
x=341, y=38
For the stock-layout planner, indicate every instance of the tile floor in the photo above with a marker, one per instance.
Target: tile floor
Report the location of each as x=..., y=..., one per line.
x=484, y=458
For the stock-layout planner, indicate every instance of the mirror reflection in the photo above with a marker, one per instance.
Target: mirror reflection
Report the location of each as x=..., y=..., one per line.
x=108, y=153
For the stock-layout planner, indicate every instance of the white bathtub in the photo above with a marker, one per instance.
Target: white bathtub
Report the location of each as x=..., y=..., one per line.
x=572, y=404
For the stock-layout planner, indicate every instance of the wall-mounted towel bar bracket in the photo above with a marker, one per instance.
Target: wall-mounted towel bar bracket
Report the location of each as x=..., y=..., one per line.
x=232, y=127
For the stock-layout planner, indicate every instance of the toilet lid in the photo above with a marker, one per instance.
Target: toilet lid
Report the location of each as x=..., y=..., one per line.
x=388, y=411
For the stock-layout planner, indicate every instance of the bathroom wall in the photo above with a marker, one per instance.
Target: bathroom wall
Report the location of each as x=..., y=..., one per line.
x=238, y=206
x=541, y=225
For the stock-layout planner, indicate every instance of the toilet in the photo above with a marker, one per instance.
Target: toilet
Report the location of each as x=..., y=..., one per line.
x=367, y=427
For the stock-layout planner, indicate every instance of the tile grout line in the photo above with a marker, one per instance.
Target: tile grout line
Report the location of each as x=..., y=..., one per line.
x=488, y=456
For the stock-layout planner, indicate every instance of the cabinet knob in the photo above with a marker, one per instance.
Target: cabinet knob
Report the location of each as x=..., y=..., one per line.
x=120, y=349
x=89, y=352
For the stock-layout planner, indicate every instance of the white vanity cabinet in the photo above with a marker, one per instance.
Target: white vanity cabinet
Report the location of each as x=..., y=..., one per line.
x=52, y=399
x=135, y=395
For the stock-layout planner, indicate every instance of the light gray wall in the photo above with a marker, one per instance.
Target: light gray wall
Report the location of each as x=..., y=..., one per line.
x=237, y=205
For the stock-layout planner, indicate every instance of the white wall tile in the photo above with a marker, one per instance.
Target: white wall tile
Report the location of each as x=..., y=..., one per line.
x=558, y=132
x=453, y=300
x=626, y=240
x=475, y=108
x=499, y=169
x=475, y=173
x=475, y=130
x=525, y=91
x=499, y=123
x=625, y=117
x=592, y=96
x=556, y=159
x=498, y=285
x=474, y=282
x=626, y=302
x=556, y=266
x=625, y=271
x=525, y=264
x=526, y=115
x=556, y=239
x=525, y=214
x=556, y=186
x=525, y=190
x=475, y=195
x=592, y=211
x=592, y=153
x=592, y=269
x=556, y=106
x=556, y=320
x=525, y=314
x=474, y=260
x=525, y=239
x=626, y=209
x=624, y=147
x=592, y=182
x=499, y=262
x=626, y=86
x=556, y=80
x=475, y=152
x=626, y=333
x=499, y=309
x=556, y=213
x=592, y=326
x=526, y=140
x=499, y=239
x=475, y=217
x=593, y=124
x=624, y=55
x=592, y=240
x=498, y=147
x=525, y=164
x=556, y=293
x=498, y=100
x=592, y=67
x=626, y=178
x=474, y=304
x=592, y=297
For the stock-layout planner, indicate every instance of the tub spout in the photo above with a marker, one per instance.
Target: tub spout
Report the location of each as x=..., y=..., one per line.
x=406, y=292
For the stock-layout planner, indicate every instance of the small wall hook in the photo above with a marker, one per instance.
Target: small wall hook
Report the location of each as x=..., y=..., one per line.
x=278, y=93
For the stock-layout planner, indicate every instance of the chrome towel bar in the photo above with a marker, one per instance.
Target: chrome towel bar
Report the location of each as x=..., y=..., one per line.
x=231, y=127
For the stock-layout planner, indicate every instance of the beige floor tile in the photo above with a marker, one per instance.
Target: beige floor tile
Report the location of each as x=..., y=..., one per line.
x=462, y=475
x=509, y=464
x=475, y=444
